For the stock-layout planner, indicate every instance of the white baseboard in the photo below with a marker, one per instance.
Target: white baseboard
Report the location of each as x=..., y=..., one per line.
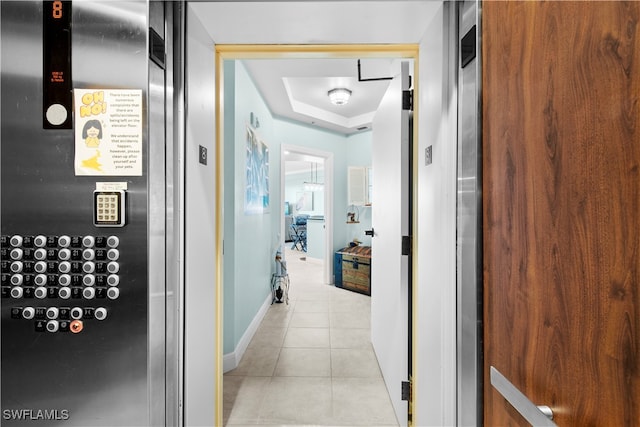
x=231, y=360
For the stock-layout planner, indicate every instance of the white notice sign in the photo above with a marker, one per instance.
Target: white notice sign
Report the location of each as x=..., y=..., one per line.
x=108, y=132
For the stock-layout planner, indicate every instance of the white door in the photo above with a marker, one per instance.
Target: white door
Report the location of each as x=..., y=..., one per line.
x=390, y=221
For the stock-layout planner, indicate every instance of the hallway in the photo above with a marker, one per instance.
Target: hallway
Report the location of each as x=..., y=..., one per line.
x=310, y=362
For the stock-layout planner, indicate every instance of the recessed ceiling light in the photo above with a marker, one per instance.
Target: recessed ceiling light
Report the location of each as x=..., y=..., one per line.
x=339, y=96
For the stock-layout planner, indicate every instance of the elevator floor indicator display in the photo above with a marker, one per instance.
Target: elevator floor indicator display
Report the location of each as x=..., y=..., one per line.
x=49, y=280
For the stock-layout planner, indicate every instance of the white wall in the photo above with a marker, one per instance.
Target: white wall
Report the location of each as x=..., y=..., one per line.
x=435, y=314
x=202, y=358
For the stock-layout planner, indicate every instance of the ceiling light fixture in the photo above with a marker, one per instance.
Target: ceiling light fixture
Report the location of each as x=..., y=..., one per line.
x=339, y=96
x=313, y=185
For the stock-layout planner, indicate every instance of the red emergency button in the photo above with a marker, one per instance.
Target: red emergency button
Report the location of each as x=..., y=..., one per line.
x=76, y=326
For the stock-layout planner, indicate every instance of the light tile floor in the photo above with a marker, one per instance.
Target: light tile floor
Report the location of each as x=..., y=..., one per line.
x=310, y=362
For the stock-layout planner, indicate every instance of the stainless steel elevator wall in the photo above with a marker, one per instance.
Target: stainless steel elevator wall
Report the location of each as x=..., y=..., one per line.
x=100, y=376
x=469, y=221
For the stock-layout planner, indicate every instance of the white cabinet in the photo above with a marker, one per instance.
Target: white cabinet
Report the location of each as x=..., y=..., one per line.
x=315, y=237
x=359, y=185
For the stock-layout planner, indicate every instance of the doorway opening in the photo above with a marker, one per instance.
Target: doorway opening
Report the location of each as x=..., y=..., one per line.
x=242, y=52
x=311, y=204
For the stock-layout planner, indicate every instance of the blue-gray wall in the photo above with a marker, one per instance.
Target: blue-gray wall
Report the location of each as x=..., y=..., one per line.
x=294, y=185
x=249, y=239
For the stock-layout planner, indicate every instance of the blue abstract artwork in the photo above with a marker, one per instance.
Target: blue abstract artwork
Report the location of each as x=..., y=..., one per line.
x=257, y=175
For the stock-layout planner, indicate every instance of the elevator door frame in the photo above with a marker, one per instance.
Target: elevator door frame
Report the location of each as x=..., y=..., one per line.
x=237, y=52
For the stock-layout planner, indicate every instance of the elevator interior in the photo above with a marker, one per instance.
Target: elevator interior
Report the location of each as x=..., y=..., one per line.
x=128, y=368
x=88, y=318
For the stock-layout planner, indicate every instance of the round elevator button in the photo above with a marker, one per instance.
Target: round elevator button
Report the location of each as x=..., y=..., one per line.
x=89, y=293
x=113, y=280
x=28, y=313
x=76, y=313
x=113, y=241
x=16, y=241
x=40, y=241
x=89, y=280
x=88, y=255
x=40, y=254
x=64, y=254
x=64, y=293
x=113, y=254
x=100, y=313
x=64, y=267
x=16, y=267
x=113, y=267
x=40, y=267
x=40, y=279
x=16, y=253
x=40, y=292
x=76, y=326
x=64, y=241
x=64, y=280
x=52, y=312
x=89, y=267
x=53, y=326
x=113, y=293
x=16, y=292
x=17, y=279
x=88, y=241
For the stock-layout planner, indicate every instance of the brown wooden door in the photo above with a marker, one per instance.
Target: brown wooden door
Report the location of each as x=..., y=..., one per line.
x=561, y=185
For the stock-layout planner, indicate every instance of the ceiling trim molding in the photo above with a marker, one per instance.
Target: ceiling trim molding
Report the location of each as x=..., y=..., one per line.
x=296, y=51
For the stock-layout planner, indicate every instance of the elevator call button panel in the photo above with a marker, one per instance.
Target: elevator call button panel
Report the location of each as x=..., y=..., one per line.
x=51, y=279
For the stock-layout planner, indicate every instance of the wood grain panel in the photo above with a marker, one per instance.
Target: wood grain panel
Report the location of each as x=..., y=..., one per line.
x=561, y=185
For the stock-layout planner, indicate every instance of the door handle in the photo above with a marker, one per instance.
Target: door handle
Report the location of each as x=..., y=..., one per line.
x=369, y=232
x=537, y=416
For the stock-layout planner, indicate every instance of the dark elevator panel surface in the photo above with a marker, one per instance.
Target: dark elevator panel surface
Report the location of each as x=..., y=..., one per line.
x=99, y=375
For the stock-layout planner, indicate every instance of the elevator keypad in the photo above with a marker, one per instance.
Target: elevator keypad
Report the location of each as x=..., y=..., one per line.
x=109, y=208
x=42, y=272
